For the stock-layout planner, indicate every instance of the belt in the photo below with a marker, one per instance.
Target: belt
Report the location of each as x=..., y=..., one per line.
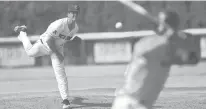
x=45, y=45
x=41, y=41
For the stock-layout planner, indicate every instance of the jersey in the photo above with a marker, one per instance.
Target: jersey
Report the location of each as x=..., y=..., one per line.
x=60, y=31
x=152, y=49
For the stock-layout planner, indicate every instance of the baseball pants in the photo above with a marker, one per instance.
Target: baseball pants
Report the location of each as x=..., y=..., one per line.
x=40, y=48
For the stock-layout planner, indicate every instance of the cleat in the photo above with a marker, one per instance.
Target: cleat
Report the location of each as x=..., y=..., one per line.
x=66, y=104
x=17, y=29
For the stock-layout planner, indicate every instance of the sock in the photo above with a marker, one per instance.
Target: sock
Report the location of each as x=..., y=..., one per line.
x=25, y=40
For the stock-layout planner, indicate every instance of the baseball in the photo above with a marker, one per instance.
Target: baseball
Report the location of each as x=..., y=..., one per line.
x=118, y=25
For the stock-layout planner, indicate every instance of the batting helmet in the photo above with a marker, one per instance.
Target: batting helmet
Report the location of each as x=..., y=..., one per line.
x=172, y=18
x=74, y=8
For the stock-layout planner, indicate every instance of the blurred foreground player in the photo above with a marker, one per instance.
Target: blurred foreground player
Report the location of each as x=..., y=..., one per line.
x=153, y=57
x=51, y=43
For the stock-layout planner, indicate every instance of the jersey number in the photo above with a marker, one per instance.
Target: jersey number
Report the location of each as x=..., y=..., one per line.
x=64, y=37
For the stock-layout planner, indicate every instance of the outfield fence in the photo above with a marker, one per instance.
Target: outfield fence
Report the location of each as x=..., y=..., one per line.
x=96, y=48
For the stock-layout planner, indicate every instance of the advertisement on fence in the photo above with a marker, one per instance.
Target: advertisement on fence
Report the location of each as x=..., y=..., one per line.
x=14, y=56
x=203, y=47
x=112, y=52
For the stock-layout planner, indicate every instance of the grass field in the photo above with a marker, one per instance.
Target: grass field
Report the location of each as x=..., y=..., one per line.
x=92, y=87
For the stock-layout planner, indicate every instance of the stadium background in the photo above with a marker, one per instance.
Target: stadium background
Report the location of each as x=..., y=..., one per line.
x=91, y=85
x=95, y=17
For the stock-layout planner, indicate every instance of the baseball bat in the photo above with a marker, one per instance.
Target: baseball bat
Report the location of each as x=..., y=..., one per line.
x=142, y=11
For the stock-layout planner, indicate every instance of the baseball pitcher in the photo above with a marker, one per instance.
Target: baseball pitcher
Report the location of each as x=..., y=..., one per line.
x=51, y=43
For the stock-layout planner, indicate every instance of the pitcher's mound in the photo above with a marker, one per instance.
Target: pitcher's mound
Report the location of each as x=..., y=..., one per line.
x=81, y=102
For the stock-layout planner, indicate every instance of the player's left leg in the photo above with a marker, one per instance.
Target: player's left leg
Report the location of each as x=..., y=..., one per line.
x=33, y=50
x=124, y=98
x=61, y=78
x=130, y=74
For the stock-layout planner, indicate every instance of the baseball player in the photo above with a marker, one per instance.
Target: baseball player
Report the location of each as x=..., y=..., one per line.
x=51, y=43
x=153, y=56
